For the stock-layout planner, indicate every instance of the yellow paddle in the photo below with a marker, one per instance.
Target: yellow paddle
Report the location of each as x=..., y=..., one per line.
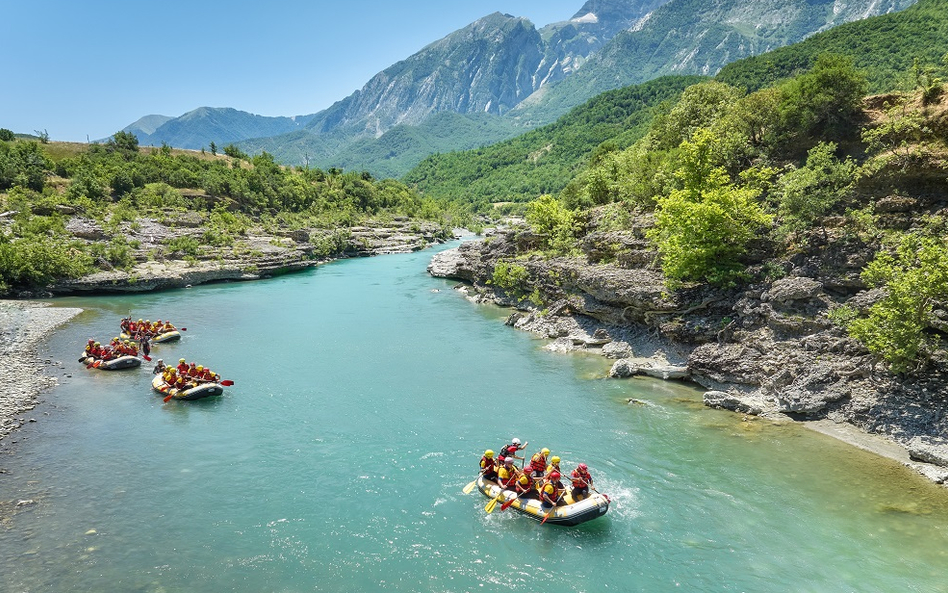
x=467, y=489
x=493, y=502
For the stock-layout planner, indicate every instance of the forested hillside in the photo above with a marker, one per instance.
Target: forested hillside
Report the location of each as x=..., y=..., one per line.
x=544, y=160
x=884, y=48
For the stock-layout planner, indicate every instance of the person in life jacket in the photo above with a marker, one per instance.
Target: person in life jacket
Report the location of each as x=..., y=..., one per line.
x=582, y=481
x=526, y=487
x=511, y=449
x=489, y=466
x=182, y=366
x=554, y=465
x=551, y=492
x=507, y=474
x=124, y=324
x=159, y=368
x=89, y=347
x=538, y=462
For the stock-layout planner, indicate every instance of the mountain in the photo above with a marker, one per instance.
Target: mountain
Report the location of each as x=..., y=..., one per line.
x=883, y=48
x=147, y=125
x=545, y=159
x=198, y=128
x=695, y=37
x=503, y=66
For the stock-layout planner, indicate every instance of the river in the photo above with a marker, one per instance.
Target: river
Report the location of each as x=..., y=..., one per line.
x=365, y=393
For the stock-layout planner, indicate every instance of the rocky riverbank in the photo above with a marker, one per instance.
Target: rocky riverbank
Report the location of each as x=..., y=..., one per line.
x=766, y=349
x=23, y=327
x=180, y=250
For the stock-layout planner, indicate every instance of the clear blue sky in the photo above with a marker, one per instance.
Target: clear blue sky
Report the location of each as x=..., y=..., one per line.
x=79, y=68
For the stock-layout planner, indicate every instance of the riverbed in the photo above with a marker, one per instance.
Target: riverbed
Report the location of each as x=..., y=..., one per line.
x=365, y=392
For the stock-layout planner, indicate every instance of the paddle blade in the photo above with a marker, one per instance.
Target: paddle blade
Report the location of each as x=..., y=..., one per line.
x=89, y=366
x=467, y=489
x=227, y=383
x=547, y=516
x=168, y=398
x=183, y=329
x=490, y=506
x=507, y=504
x=146, y=357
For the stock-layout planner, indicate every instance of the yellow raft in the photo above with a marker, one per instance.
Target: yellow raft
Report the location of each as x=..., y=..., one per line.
x=200, y=391
x=572, y=513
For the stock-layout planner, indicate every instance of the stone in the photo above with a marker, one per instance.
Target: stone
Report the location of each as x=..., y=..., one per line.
x=617, y=350
x=930, y=450
x=793, y=289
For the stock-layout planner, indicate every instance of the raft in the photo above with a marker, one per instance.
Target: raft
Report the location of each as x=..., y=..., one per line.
x=113, y=364
x=201, y=391
x=572, y=513
x=160, y=338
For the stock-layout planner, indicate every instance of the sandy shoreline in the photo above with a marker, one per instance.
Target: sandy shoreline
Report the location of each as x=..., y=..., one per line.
x=24, y=325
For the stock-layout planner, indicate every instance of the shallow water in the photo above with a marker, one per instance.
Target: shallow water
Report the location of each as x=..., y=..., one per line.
x=365, y=393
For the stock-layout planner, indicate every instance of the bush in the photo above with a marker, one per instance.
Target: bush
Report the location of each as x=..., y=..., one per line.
x=550, y=218
x=915, y=277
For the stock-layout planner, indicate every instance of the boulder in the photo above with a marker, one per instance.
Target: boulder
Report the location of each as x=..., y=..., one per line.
x=736, y=402
x=795, y=288
x=617, y=350
x=930, y=450
x=628, y=367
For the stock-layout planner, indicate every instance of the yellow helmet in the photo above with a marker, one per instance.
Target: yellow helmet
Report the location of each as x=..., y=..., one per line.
x=545, y=451
x=489, y=454
x=180, y=360
x=200, y=368
x=554, y=459
x=140, y=321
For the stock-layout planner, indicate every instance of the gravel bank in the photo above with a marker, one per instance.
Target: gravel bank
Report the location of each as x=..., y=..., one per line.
x=23, y=325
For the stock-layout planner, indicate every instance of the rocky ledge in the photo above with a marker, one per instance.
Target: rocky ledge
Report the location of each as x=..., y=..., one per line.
x=159, y=261
x=765, y=349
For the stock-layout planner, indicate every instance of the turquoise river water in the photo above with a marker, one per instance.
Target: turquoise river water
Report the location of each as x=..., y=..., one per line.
x=365, y=393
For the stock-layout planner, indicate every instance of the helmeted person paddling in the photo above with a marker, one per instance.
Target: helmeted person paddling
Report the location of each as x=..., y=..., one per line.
x=489, y=467
x=582, y=482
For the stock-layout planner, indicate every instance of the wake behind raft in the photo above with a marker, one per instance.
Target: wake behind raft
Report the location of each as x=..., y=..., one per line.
x=569, y=514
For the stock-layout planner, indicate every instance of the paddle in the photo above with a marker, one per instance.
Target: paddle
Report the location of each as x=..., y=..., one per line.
x=467, y=489
x=507, y=504
x=493, y=502
x=146, y=357
x=227, y=383
x=551, y=510
x=167, y=398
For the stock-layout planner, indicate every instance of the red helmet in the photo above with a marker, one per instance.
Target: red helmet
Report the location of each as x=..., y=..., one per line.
x=583, y=467
x=554, y=476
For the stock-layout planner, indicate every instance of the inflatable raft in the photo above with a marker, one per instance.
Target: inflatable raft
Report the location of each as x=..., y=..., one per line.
x=572, y=513
x=113, y=364
x=160, y=338
x=201, y=391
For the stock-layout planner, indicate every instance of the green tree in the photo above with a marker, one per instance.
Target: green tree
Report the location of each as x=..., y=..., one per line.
x=702, y=230
x=7, y=135
x=808, y=193
x=915, y=277
x=824, y=102
x=552, y=219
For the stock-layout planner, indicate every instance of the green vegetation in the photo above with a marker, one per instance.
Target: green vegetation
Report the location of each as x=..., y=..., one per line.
x=117, y=183
x=543, y=161
x=885, y=47
x=914, y=274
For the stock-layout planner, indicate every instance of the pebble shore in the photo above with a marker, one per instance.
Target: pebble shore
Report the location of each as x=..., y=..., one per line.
x=23, y=327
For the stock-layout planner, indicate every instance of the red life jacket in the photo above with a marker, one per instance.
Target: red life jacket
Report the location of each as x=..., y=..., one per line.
x=488, y=467
x=553, y=496
x=523, y=488
x=579, y=481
